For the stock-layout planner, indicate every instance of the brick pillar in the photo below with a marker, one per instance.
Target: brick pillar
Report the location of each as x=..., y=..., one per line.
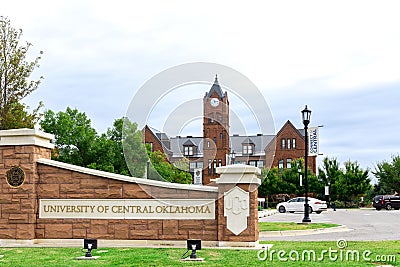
x=19, y=151
x=238, y=205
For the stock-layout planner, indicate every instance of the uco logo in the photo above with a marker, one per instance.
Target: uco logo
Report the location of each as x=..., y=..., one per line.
x=15, y=176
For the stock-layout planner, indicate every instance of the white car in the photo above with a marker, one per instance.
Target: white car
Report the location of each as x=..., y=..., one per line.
x=297, y=204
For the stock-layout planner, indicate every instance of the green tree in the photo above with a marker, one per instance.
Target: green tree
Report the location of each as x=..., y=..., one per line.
x=115, y=135
x=107, y=151
x=74, y=136
x=347, y=183
x=271, y=183
x=103, y=155
x=388, y=175
x=133, y=148
x=330, y=174
x=183, y=164
x=162, y=169
x=287, y=181
x=15, y=85
x=354, y=181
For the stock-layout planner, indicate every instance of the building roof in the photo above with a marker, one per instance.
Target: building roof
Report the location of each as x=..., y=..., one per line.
x=248, y=141
x=260, y=142
x=189, y=143
x=178, y=142
x=215, y=88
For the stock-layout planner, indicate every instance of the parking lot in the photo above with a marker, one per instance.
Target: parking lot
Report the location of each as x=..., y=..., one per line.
x=362, y=224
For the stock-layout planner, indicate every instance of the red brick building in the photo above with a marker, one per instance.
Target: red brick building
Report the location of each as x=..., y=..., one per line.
x=289, y=144
x=217, y=148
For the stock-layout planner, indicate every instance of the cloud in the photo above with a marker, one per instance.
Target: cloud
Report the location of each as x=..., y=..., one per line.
x=341, y=58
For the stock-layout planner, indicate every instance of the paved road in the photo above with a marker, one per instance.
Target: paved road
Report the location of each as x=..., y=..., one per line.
x=363, y=224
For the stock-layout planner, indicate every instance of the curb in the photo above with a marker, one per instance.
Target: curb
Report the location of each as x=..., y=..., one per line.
x=341, y=228
x=266, y=213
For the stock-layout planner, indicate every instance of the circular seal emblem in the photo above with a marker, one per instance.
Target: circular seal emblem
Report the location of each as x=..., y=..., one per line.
x=15, y=176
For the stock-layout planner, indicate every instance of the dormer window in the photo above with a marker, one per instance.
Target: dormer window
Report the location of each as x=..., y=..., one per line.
x=188, y=151
x=189, y=148
x=248, y=147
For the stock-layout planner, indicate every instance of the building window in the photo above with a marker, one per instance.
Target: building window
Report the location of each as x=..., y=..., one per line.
x=192, y=166
x=219, y=162
x=280, y=164
x=288, y=143
x=294, y=143
x=210, y=118
x=209, y=166
x=252, y=163
x=247, y=149
x=288, y=163
x=196, y=164
x=151, y=146
x=260, y=164
x=200, y=165
x=208, y=143
x=283, y=143
x=215, y=166
x=220, y=135
x=188, y=151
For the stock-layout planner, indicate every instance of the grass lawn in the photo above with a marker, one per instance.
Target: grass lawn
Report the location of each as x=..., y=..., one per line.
x=283, y=226
x=213, y=257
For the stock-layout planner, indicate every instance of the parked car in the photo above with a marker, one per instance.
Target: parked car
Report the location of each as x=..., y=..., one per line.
x=297, y=204
x=386, y=202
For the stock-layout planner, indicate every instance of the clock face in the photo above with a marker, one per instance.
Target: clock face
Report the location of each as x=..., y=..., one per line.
x=214, y=102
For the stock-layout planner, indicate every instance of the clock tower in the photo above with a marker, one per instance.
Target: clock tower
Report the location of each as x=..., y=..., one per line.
x=215, y=131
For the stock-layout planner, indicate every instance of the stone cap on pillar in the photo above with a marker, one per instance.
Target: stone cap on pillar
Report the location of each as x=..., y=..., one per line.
x=239, y=174
x=24, y=136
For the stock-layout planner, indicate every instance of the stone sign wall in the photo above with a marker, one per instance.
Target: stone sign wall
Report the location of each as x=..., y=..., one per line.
x=45, y=199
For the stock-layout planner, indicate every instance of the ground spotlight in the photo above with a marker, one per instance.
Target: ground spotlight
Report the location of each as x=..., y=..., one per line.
x=193, y=245
x=89, y=244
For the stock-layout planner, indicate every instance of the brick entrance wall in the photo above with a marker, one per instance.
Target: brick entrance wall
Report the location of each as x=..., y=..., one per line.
x=19, y=205
x=46, y=179
x=58, y=183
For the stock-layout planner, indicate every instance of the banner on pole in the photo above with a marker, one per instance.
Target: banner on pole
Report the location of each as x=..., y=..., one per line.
x=198, y=176
x=313, y=144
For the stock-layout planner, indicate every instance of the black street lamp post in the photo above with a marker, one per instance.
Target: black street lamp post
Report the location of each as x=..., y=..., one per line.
x=306, y=114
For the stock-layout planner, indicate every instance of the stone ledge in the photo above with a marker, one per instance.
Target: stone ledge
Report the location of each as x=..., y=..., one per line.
x=238, y=174
x=127, y=243
x=24, y=136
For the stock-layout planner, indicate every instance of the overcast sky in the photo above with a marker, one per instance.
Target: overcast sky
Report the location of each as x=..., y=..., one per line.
x=341, y=58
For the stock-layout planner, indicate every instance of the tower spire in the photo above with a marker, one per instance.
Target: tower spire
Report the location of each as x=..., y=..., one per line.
x=216, y=88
